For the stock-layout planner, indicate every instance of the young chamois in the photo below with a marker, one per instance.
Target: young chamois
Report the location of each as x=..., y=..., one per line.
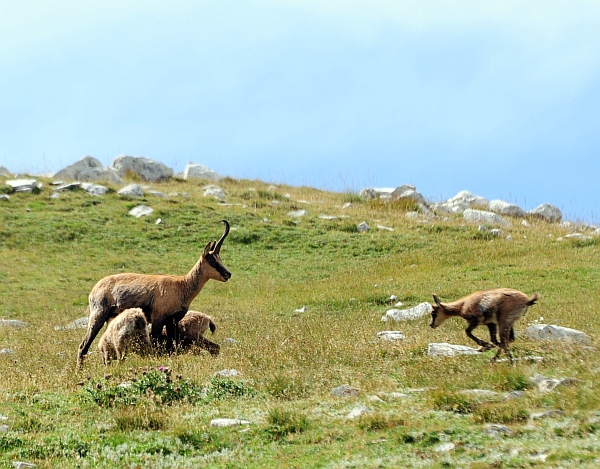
x=163, y=298
x=500, y=308
x=191, y=329
x=128, y=330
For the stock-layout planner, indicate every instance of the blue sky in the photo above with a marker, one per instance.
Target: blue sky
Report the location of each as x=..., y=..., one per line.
x=499, y=98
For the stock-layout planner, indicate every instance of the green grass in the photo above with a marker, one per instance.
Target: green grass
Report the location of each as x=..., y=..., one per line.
x=53, y=251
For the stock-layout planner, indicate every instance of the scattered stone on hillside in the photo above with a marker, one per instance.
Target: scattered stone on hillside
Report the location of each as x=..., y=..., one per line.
x=384, y=228
x=481, y=216
x=377, y=193
x=72, y=186
x=228, y=373
x=225, y=422
x=513, y=395
x=422, y=309
x=345, y=390
x=348, y=205
x=4, y=197
x=358, y=411
x=300, y=310
x=22, y=185
x=5, y=172
x=557, y=333
x=552, y=413
x=504, y=208
x=157, y=194
x=147, y=169
x=408, y=192
x=394, y=395
x=140, y=211
x=460, y=202
x=482, y=228
x=80, y=323
x=526, y=358
x=131, y=190
x=525, y=223
x=94, y=189
x=449, y=350
x=229, y=341
x=298, y=213
x=6, y=351
x=548, y=384
x=88, y=169
x=578, y=236
x=496, y=430
x=547, y=212
x=22, y=465
x=390, y=336
x=363, y=227
x=215, y=192
x=55, y=195
x=444, y=447
x=497, y=232
x=197, y=171
x=13, y=323
x=327, y=217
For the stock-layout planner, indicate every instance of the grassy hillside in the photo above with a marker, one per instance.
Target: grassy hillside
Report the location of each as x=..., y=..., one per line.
x=53, y=251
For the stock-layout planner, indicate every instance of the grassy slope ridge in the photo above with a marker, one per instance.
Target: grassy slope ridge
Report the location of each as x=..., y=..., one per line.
x=52, y=252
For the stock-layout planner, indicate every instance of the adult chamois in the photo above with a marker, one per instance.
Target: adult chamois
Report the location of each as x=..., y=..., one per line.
x=164, y=298
x=500, y=307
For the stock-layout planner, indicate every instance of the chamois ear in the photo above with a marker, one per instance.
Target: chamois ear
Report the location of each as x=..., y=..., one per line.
x=208, y=248
x=436, y=299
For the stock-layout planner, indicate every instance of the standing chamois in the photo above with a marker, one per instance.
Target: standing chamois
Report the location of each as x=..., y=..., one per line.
x=164, y=298
x=499, y=308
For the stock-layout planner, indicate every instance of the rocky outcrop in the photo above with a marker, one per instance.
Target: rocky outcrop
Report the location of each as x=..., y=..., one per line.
x=88, y=169
x=197, y=171
x=483, y=217
x=547, y=212
x=145, y=168
x=504, y=208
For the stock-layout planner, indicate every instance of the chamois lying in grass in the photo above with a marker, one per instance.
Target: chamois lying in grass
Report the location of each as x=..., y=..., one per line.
x=191, y=329
x=500, y=308
x=128, y=330
x=164, y=298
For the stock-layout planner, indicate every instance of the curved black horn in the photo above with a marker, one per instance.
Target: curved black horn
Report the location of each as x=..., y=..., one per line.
x=225, y=233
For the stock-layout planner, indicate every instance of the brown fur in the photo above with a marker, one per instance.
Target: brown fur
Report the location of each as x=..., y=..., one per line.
x=163, y=298
x=500, y=308
x=191, y=330
x=125, y=331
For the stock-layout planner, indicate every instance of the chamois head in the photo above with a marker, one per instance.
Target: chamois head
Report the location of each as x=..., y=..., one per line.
x=214, y=266
x=438, y=315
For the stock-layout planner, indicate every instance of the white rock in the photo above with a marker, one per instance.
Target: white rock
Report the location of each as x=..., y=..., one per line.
x=450, y=350
x=224, y=422
x=132, y=190
x=384, y=228
x=557, y=333
x=4, y=197
x=579, y=236
x=548, y=384
x=300, y=310
x=229, y=341
x=395, y=395
x=345, y=391
x=328, y=217
x=12, y=323
x=495, y=430
x=215, y=192
x=525, y=223
x=157, y=194
x=390, y=336
x=504, y=208
x=140, y=211
x=227, y=373
x=444, y=447
x=22, y=185
x=348, y=205
x=94, y=189
x=408, y=192
x=80, y=323
x=547, y=212
x=483, y=217
x=68, y=187
x=6, y=351
x=145, y=168
x=358, y=411
x=298, y=213
x=158, y=221
x=417, y=312
x=22, y=465
x=197, y=171
x=497, y=232
x=377, y=193
x=363, y=227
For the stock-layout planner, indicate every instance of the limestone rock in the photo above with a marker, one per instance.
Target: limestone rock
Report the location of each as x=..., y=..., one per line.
x=390, y=336
x=224, y=422
x=417, y=312
x=363, y=227
x=377, y=193
x=4, y=197
x=147, y=169
x=215, y=192
x=504, y=208
x=13, y=323
x=483, y=217
x=450, y=350
x=71, y=173
x=345, y=391
x=557, y=333
x=298, y=213
x=132, y=190
x=358, y=412
x=22, y=185
x=94, y=189
x=228, y=373
x=547, y=212
x=140, y=211
x=197, y=171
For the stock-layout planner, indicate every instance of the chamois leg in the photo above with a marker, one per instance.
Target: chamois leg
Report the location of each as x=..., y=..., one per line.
x=172, y=331
x=157, y=337
x=203, y=343
x=469, y=331
x=492, y=327
x=95, y=323
x=505, y=333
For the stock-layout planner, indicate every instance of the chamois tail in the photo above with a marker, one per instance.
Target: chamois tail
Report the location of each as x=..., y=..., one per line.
x=212, y=326
x=532, y=300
